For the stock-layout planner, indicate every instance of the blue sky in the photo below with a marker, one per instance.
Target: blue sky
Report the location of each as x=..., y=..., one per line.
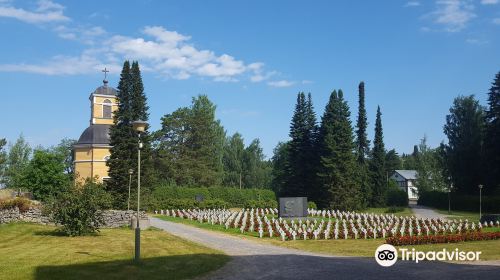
x=250, y=57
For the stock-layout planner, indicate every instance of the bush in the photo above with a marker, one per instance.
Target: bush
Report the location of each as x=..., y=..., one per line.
x=436, y=199
x=170, y=197
x=20, y=202
x=79, y=210
x=445, y=238
x=311, y=205
x=397, y=197
x=212, y=204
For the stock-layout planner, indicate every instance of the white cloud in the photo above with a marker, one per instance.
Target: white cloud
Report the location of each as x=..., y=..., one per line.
x=281, y=83
x=474, y=41
x=453, y=15
x=46, y=11
x=489, y=2
x=412, y=4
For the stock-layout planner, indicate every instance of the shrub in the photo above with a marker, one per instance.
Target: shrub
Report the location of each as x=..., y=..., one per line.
x=170, y=197
x=20, y=202
x=396, y=197
x=311, y=205
x=79, y=210
x=437, y=199
x=212, y=204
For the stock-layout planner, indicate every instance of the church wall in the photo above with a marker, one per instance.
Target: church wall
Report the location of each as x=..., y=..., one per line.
x=84, y=166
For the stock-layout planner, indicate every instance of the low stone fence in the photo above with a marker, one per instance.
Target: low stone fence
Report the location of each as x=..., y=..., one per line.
x=112, y=218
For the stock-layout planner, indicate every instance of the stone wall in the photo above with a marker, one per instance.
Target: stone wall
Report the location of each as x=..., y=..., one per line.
x=112, y=218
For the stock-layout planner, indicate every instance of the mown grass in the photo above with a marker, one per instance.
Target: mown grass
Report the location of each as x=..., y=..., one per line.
x=471, y=216
x=384, y=210
x=31, y=251
x=349, y=247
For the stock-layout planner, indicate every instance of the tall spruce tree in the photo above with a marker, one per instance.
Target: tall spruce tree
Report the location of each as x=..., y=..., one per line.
x=337, y=160
x=301, y=149
x=362, y=147
x=124, y=140
x=377, y=165
x=492, y=138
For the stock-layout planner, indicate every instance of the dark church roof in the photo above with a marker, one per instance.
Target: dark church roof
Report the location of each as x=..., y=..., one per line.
x=95, y=134
x=105, y=90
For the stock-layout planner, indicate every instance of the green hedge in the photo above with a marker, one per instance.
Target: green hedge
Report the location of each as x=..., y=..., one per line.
x=169, y=197
x=461, y=202
x=397, y=197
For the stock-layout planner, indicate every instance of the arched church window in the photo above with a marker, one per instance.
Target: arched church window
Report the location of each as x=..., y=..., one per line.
x=106, y=109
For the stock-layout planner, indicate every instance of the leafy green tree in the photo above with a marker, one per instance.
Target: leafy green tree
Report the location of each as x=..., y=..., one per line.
x=257, y=171
x=79, y=210
x=234, y=150
x=392, y=162
x=44, y=175
x=377, y=164
x=362, y=147
x=429, y=171
x=65, y=150
x=3, y=160
x=124, y=140
x=465, y=128
x=492, y=138
x=17, y=160
x=337, y=162
x=191, y=145
x=279, y=168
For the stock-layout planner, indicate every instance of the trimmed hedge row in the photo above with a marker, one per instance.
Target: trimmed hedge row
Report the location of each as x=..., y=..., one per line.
x=170, y=197
x=436, y=199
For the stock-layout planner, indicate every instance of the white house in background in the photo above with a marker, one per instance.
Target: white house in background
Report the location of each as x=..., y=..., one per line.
x=406, y=181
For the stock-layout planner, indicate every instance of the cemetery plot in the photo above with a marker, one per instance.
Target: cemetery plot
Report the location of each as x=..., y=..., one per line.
x=329, y=224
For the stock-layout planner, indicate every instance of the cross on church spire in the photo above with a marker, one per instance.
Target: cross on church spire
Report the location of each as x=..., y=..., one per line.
x=105, y=81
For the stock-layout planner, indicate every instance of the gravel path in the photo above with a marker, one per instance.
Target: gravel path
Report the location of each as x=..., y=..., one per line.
x=425, y=212
x=253, y=260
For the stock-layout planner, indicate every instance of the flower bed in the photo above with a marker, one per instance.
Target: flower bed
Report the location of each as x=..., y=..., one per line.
x=444, y=238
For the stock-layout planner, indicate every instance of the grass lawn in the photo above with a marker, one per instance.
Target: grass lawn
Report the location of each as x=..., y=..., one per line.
x=406, y=211
x=30, y=251
x=471, y=216
x=349, y=247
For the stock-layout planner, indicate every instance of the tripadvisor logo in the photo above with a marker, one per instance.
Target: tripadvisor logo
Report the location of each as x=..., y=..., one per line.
x=387, y=255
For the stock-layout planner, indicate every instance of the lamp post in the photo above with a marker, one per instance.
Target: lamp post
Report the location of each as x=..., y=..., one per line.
x=449, y=195
x=139, y=126
x=130, y=172
x=480, y=188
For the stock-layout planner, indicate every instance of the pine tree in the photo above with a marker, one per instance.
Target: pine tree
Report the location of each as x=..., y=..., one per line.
x=377, y=165
x=124, y=140
x=362, y=147
x=337, y=160
x=492, y=138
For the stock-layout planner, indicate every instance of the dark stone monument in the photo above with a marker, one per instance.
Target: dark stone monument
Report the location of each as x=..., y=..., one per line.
x=199, y=198
x=291, y=207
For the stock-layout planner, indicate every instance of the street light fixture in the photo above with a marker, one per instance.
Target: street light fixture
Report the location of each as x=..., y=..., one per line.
x=130, y=172
x=480, y=188
x=139, y=126
x=449, y=195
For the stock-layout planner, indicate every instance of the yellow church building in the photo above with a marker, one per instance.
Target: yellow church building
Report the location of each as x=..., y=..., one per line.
x=93, y=149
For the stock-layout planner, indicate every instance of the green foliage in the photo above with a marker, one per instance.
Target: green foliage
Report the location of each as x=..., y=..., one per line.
x=464, y=128
x=23, y=204
x=44, y=175
x=396, y=196
x=430, y=173
x=65, y=150
x=79, y=210
x=3, y=159
x=165, y=197
x=337, y=162
x=311, y=205
x=392, y=162
x=279, y=164
x=461, y=202
x=124, y=140
x=377, y=165
x=189, y=147
x=491, y=149
x=394, y=209
x=362, y=149
x=17, y=160
x=300, y=164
